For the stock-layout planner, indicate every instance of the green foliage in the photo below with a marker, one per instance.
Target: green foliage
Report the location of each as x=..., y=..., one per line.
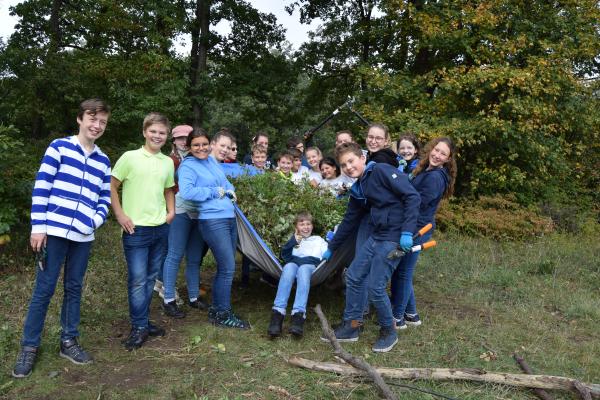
x=499, y=217
x=271, y=203
x=17, y=169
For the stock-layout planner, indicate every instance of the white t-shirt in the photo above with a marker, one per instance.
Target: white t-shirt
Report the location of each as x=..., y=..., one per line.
x=302, y=173
x=336, y=185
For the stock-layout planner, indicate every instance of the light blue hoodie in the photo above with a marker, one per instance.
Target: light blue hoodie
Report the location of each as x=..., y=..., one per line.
x=200, y=180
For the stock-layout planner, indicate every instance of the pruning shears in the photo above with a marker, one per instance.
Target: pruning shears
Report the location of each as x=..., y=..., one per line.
x=398, y=252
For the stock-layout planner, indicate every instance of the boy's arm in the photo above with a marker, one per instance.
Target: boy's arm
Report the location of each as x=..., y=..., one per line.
x=401, y=186
x=286, y=250
x=125, y=222
x=351, y=221
x=44, y=180
x=103, y=200
x=188, y=189
x=170, y=199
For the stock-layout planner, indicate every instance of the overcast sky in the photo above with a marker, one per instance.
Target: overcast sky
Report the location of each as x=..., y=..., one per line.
x=296, y=32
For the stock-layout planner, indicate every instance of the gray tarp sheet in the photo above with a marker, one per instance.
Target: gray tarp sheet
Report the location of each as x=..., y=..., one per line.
x=252, y=246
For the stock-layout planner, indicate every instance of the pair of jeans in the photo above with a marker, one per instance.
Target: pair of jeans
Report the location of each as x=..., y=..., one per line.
x=220, y=234
x=370, y=268
x=301, y=274
x=403, y=293
x=74, y=256
x=184, y=237
x=145, y=252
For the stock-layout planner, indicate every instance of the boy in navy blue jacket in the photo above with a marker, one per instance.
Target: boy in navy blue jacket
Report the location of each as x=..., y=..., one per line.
x=393, y=204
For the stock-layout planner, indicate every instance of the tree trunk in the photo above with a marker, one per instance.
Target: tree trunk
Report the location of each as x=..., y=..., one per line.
x=198, y=59
x=55, y=32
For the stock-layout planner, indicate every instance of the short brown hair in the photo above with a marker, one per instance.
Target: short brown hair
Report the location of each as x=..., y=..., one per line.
x=383, y=127
x=156, y=118
x=346, y=132
x=344, y=148
x=295, y=152
x=285, y=154
x=258, y=149
x=223, y=132
x=303, y=216
x=92, y=106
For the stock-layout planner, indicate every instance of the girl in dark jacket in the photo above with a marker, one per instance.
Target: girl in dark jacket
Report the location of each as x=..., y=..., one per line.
x=434, y=178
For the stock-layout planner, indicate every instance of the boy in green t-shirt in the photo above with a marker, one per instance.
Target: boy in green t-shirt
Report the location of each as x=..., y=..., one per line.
x=147, y=210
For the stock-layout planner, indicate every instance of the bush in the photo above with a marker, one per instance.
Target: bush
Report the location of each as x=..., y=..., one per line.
x=271, y=204
x=17, y=170
x=499, y=217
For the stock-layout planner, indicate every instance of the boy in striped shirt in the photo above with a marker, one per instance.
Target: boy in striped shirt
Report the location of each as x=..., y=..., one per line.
x=70, y=200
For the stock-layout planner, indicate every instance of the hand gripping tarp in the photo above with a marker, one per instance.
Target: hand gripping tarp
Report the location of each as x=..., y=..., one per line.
x=252, y=246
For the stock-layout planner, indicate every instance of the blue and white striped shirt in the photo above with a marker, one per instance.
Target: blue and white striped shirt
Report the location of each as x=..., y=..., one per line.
x=71, y=194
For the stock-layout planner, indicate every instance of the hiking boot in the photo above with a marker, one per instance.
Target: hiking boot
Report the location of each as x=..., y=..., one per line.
x=198, y=304
x=155, y=330
x=297, y=326
x=276, y=324
x=386, y=341
x=171, y=310
x=348, y=331
x=400, y=323
x=72, y=351
x=25, y=361
x=136, y=339
x=412, y=319
x=228, y=319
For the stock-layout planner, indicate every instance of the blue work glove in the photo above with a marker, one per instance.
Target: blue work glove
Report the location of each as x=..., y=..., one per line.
x=327, y=255
x=406, y=241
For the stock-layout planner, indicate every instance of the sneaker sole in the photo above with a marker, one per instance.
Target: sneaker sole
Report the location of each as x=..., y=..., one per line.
x=399, y=327
x=386, y=349
x=20, y=375
x=63, y=355
x=413, y=323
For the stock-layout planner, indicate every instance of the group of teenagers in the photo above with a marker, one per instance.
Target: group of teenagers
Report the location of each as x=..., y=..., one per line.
x=182, y=205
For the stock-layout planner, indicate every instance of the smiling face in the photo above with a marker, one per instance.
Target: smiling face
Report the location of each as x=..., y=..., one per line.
x=221, y=148
x=376, y=139
x=200, y=147
x=259, y=160
x=313, y=159
x=92, y=126
x=304, y=227
x=352, y=165
x=285, y=164
x=439, y=155
x=328, y=171
x=232, y=152
x=407, y=150
x=156, y=137
x=296, y=164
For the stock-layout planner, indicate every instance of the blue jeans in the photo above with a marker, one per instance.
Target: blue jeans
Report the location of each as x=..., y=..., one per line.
x=184, y=237
x=403, y=293
x=145, y=252
x=370, y=268
x=74, y=256
x=221, y=237
x=301, y=274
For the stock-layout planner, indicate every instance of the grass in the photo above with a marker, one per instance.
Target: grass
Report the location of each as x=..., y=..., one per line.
x=540, y=298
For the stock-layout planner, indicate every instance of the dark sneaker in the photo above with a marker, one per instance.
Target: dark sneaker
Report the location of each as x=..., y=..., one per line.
x=275, y=326
x=400, y=323
x=386, y=341
x=348, y=331
x=412, y=319
x=25, y=361
x=228, y=319
x=297, y=326
x=198, y=304
x=136, y=338
x=212, y=314
x=172, y=310
x=155, y=330
x=72, y=351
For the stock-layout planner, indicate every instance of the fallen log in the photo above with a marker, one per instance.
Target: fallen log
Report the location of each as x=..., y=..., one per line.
x=356, y=362
x=465, y=374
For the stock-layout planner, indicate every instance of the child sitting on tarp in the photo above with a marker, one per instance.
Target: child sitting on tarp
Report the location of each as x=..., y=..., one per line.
x=302, y=253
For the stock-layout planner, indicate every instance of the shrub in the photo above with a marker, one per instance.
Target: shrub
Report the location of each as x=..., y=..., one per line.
x=271, y=203
x=499, y=217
